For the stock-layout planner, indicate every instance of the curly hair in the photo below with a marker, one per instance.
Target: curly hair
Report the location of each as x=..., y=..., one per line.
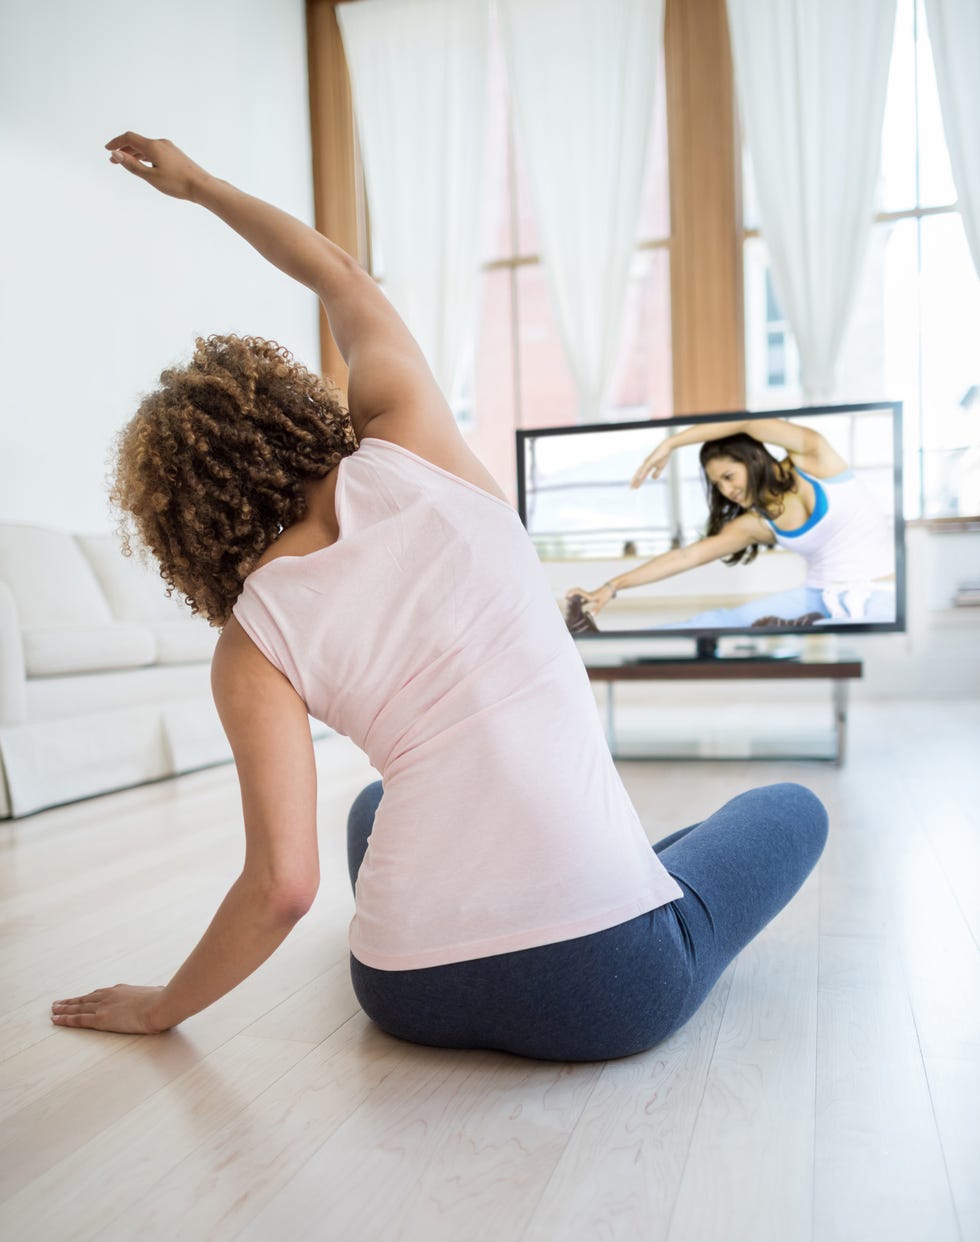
x=767, y=476
x=211, y=468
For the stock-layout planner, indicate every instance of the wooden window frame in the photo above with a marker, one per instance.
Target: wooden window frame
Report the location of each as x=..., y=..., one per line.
x=706, y=298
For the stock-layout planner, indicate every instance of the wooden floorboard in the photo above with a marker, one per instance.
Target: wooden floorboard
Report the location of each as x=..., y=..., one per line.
x=754, y=1128
x=827, y=1090
x=619, y=1174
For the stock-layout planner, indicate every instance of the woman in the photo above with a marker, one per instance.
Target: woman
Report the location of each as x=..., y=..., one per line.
x=809, y=503
x=366, y=568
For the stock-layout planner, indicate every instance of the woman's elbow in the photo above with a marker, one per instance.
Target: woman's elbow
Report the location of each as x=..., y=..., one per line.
x=293, y=901
x=287, y=900
x=292, y=904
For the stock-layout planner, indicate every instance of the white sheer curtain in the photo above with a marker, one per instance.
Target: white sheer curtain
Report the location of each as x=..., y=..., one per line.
x=811, y=79
x=582, y=76
x=419, y=80
x=954, y=31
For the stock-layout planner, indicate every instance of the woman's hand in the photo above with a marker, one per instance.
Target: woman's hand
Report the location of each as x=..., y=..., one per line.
x=653, y=465
x=593, y=601
x=159, y=162
x=130, y=1010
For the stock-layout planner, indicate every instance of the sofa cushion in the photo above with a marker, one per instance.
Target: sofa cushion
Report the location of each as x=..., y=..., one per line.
x=134, y=589
x=13, y=700
x=61, y=760
x=50, y=650
x=49, y=578
x=178, y=642
x=75, y=694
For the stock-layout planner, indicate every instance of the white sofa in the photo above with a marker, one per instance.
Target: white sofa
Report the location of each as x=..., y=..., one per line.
x=104, y=681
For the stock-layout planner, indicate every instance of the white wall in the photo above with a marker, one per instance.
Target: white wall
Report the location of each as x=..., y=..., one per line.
x=104, y=282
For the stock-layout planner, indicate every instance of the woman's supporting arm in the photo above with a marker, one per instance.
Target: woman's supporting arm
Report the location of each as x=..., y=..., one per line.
x=736, y=535
x=268, y=728
x=267, y=725
x=249, y=926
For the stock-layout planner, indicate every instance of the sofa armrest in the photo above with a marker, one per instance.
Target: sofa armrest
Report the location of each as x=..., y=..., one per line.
x=13, y=690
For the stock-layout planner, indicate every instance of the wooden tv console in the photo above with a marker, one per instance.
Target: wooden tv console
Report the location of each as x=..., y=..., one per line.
x=838, y=671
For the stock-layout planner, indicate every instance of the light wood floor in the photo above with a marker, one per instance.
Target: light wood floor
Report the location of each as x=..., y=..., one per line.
x=828, y=1088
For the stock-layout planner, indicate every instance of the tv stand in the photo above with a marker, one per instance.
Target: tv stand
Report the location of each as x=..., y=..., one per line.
x=839, y=672
x=706, y=652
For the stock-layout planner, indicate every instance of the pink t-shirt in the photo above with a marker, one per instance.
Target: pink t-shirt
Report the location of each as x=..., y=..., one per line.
x=428, y=635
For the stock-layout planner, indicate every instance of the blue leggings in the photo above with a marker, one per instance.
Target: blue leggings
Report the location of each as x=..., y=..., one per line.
x=620, y=991
x=789, y=605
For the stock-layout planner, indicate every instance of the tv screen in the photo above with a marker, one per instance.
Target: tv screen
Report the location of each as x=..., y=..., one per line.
x=779, y=522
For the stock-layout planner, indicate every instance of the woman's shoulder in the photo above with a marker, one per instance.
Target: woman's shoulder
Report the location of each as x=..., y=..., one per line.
x=748, y=528
x=438, y=445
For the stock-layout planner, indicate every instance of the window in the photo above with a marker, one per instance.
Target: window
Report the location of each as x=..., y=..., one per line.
x=522, y=377
x=517, y=374
x=777, y=330
x=914, y=326
x=916, y=320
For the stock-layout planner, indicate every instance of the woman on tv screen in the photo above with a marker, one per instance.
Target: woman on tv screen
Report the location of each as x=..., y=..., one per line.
x=809, y=502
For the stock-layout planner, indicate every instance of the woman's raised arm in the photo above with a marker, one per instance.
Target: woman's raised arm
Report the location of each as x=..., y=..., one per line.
x=807, y=447
x=295, y=248
x=387, y=369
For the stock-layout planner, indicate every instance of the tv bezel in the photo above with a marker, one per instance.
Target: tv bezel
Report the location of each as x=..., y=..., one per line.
x=706, y=636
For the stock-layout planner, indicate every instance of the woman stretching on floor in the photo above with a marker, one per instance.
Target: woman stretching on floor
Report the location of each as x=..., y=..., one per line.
x=809, y=503
x=366, y=568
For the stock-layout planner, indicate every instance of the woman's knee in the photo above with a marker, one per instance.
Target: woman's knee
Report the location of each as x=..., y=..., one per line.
x=801, y=810
x=360, y=821
x=365, y=805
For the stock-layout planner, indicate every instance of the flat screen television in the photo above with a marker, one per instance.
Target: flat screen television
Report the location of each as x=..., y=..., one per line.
x=754, y=524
